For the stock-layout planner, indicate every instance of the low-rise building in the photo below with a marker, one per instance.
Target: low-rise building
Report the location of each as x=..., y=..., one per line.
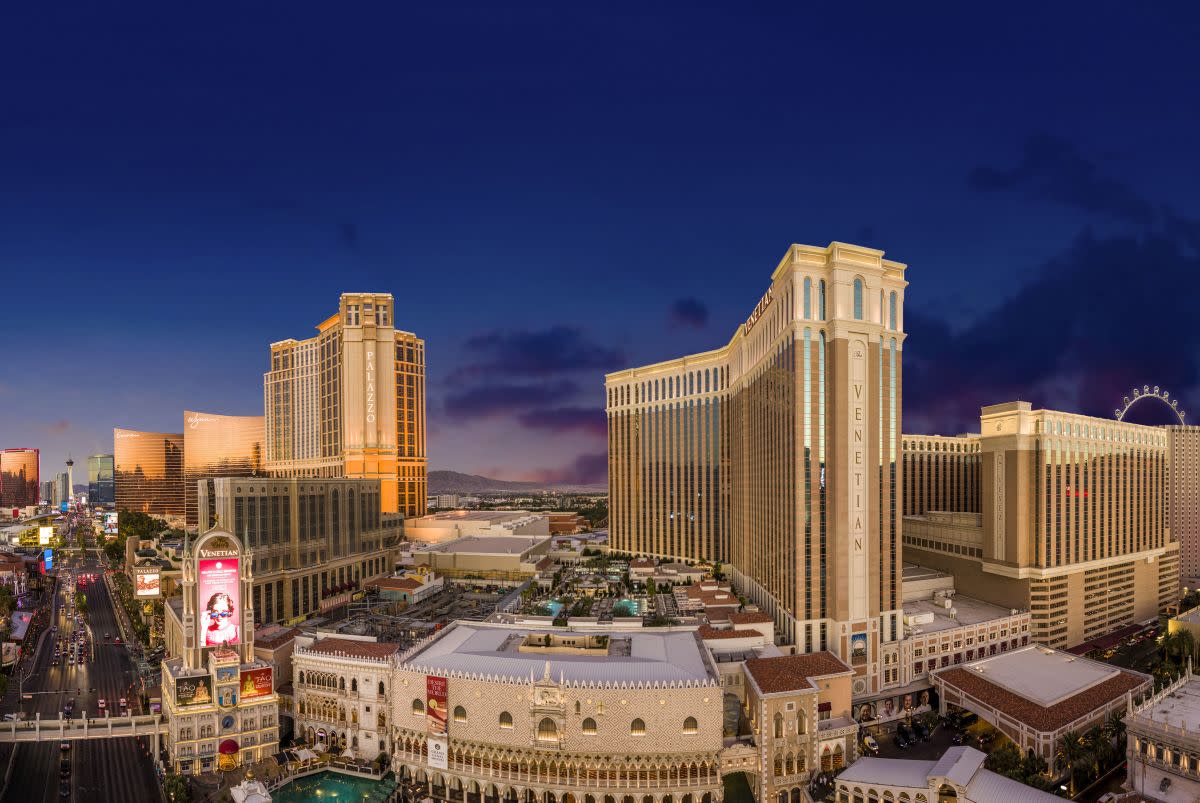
x=1163, y=743
x=1035, y=694
x=411, y=588
x=437, y=528
x=799, y=708
x=958, y=776
x=340, y=688
x=494, y=559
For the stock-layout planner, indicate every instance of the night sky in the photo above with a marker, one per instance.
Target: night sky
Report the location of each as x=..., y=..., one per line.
x=552, y=193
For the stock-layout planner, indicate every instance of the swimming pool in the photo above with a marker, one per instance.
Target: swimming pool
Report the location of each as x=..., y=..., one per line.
x=333, y=786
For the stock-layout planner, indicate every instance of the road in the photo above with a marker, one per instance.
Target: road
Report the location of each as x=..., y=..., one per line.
x=108, y=769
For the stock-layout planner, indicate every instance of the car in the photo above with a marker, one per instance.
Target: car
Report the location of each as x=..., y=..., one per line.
x=64, y=768
x=870, y=745
x=117, y=640
x=921, y=731
x=11, y=717
x=106, y=636
x=64, y=789
x=64, y=747
x=102, y=703
x=903, y=731
x=899, y=741
x=958, y=737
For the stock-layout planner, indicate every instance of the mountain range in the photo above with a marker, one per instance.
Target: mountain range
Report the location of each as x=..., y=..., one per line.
x=455, y=482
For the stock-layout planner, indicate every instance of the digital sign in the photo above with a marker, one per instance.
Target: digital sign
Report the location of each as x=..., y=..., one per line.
x=110, y=523
x=256, y=682
x=147, y=583
x=194, y=691
x=219, y=600
x=45, y=535
x=48, y=560
x=436, y=695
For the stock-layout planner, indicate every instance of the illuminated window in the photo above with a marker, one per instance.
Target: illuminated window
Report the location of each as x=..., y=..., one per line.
x=418, y=708
x=506, y=721
x=637, y=728
x=690, y=725
x=858, y=299
x=589, y=727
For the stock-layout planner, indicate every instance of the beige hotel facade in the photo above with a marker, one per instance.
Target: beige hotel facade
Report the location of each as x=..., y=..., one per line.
x=1071, y=522
x=350, y=402
x=778, y=453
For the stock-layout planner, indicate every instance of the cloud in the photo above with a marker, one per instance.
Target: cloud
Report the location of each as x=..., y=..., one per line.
x=586, y=469
x=1052, y=169
x=535, y=354
x=688, y=312
x=1105, y=315
x=591, y=420
x=58, y=427
x=483, y=401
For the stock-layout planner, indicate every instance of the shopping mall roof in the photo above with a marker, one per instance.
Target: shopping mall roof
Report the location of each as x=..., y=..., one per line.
x=634, y=656
x=490, y=544
x=1179, y=708
x=1041, y=687
x=962, y=611
x=959, y=766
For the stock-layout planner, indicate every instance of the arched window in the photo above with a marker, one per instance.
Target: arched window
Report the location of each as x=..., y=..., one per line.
x=892, y=310
x=801, y=722
x=381, y=687
x=547, y=731
x=589, y=727
x=302, y=678
x=858, y=299
x=505, y=720
x=577, y=707
x=690, y=725
x=807, y=299
x=778, y=725
x=353, y=684
x=821, y=299
x=418, y=708
x=460, y=714
x=342, y=684
x=637, y=727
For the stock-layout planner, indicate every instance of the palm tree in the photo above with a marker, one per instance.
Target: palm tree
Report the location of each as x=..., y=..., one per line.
x=1099, y=747
x=1186, y=643
x=1071, y=750
x=1115, y=727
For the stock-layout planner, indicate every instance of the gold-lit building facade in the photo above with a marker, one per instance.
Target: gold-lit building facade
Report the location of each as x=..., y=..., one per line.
x=1072, y=523
x=148, y=472
x=20, y=484
x=1183, y=517
x=218, y=446
x=941, y=473
x=350, y=402
x=780, y=454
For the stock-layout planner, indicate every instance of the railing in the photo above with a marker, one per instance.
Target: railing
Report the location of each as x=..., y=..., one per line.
x=582, y=780
x=37, y=730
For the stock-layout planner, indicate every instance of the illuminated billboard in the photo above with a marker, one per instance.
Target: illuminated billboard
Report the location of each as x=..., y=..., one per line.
x=256, y=682
x=147, y=583
x=110, y=523
x=45, y=535
x=48, y=560
x=220, y=601
x=435, y=703
x=194, y=691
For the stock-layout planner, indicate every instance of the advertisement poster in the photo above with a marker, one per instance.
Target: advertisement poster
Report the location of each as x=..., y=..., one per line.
x=110, y=523
x=147, y=583
x=435, y=704
x=437, y=752
x=219, y=600
x=48, y=560
x=256, y=682
x=193, y=691
x=45, y=535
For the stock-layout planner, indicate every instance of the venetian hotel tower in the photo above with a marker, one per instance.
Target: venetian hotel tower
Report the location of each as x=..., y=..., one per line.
x=777, y=454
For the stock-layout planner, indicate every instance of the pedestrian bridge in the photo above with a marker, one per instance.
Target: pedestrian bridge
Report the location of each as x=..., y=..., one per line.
x=65, y=730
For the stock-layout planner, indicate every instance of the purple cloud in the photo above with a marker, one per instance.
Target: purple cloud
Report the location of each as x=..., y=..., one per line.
x=688, y=312
x=591, y=420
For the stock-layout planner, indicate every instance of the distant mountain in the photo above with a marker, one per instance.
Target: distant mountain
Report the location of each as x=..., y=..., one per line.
x=455, y=482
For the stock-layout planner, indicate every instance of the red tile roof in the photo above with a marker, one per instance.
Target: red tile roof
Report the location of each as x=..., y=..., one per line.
x=750, y=618
x=707, y=632
x=398, y=583
x=1038, y=717
x=352, y=648
x=792, y=672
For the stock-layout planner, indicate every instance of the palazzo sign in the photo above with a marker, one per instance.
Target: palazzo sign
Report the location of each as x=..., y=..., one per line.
x=370, y=387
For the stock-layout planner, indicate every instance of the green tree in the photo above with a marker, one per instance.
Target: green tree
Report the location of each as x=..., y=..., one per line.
x=115, y=552
x=1071, y=752
x=1115, y=728
x=176, y=788
x=81, y=603
x=1005, y=760
x=1099, y=746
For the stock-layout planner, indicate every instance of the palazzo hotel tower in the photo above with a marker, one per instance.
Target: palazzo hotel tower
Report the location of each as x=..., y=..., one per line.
x=777, y=453
x=350, y=402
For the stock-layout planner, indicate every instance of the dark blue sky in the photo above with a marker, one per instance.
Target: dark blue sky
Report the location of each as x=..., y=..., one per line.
x=553, y=192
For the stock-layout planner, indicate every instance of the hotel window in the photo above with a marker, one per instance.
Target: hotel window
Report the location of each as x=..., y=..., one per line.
x=637, y=727
x=892, y=310
x=690, y=725
x=589, y=727
x=506, y=720
x=858, y=299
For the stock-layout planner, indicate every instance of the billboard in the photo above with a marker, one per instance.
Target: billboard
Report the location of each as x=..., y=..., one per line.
x=435, y=703
x=256, y=682
x=45, y=535
x=147, y=584
x=63, y=506
x=437, y=752
x=48, y=560
x=194, y=691
x=110, y=523
x=219, y=600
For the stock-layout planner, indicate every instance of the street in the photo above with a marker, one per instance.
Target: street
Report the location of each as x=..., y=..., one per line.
x=103, y=769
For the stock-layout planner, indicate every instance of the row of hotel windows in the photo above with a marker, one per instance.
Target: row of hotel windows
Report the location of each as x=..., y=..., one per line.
x=548, y=729
x=958, y=657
